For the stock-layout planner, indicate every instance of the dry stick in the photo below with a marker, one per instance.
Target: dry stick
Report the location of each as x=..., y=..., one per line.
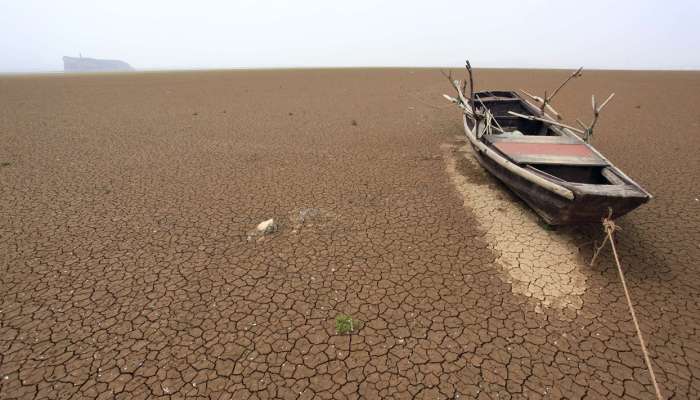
x=596, y=114
x=610, y=227
x=606, y=102
x=464, y=107
x=469, y=107
x=476, y=118
x=597, y=110
x=574, y=75
x=581, y=124
x=460, y=96
x=533, y=118
x=488, y=113
x=493, y=117
x=547, y=100
x=532, y=96
x=426, y=103
x=471, y=83
x=540, y=100
x=464, y=86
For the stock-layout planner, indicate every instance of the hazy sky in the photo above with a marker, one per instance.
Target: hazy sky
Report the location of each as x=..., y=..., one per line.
x=164, y=34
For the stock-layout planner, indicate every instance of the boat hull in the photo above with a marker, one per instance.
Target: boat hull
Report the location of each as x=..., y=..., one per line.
x=587, y=206
x=561, y=177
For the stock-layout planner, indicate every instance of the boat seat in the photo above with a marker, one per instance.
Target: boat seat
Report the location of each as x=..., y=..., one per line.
x=559, y=150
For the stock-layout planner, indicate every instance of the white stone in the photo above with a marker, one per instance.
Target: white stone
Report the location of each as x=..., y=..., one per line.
x=268, y=226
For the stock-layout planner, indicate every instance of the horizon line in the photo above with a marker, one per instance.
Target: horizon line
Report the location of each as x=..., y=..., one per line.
x=204, y=69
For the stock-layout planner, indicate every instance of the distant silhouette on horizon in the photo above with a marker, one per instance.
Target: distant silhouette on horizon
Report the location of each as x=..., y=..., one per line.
x=86, y=64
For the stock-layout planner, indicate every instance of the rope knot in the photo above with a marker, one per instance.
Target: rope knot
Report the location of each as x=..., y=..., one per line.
x=609, y=225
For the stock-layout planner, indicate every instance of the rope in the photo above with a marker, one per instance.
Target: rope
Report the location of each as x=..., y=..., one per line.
x=609, y=227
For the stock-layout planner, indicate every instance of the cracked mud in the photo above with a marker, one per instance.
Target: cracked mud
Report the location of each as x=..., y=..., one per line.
x=126, y=273
x=538, y=263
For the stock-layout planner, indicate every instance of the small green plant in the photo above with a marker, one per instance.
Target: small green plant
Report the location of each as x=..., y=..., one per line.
x=353, y=123
x=344, y=324
x=5, y=164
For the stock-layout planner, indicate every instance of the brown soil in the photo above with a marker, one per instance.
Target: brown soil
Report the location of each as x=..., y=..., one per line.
x=538, y=263
x=126, y=268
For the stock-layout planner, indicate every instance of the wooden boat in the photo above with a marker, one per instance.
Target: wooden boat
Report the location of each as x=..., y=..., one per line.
x=562, y=177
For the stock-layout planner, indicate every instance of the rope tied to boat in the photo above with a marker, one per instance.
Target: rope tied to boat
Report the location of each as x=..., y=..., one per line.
x=609, y=227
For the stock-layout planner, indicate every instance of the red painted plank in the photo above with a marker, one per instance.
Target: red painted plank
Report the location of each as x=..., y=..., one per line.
x=549, y=153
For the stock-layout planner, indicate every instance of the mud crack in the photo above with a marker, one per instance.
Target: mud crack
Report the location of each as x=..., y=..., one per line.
x=541, y=264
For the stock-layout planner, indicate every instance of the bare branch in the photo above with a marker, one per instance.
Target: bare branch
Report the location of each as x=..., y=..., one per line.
x=545, y=102
x=532, y=96
x=553, y=111
x=471, y=84
x=549, y=121
x=576, y=74
x=606, y=102
x=464, y=86
x=459, y=100
x=455, y=85
x=596, y=114
x=492, y=117
x=447, y=75
x=450, y=99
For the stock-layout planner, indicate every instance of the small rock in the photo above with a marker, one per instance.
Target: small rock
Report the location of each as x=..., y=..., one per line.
x=267, y=227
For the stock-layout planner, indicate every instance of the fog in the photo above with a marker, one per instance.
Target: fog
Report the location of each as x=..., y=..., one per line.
x=160, y=34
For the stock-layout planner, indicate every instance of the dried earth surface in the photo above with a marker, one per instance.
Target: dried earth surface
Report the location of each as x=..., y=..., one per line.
x=127, y=267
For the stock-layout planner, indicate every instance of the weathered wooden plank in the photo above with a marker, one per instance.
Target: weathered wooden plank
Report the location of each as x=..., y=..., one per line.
x=546, y=149
x=490, y=99
x=607, y=190
x=612, y=177
x=534, y=139
x=549, y=153
x=545, y=174
x=513, y=168
x=552, y=122
x=557, y=160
